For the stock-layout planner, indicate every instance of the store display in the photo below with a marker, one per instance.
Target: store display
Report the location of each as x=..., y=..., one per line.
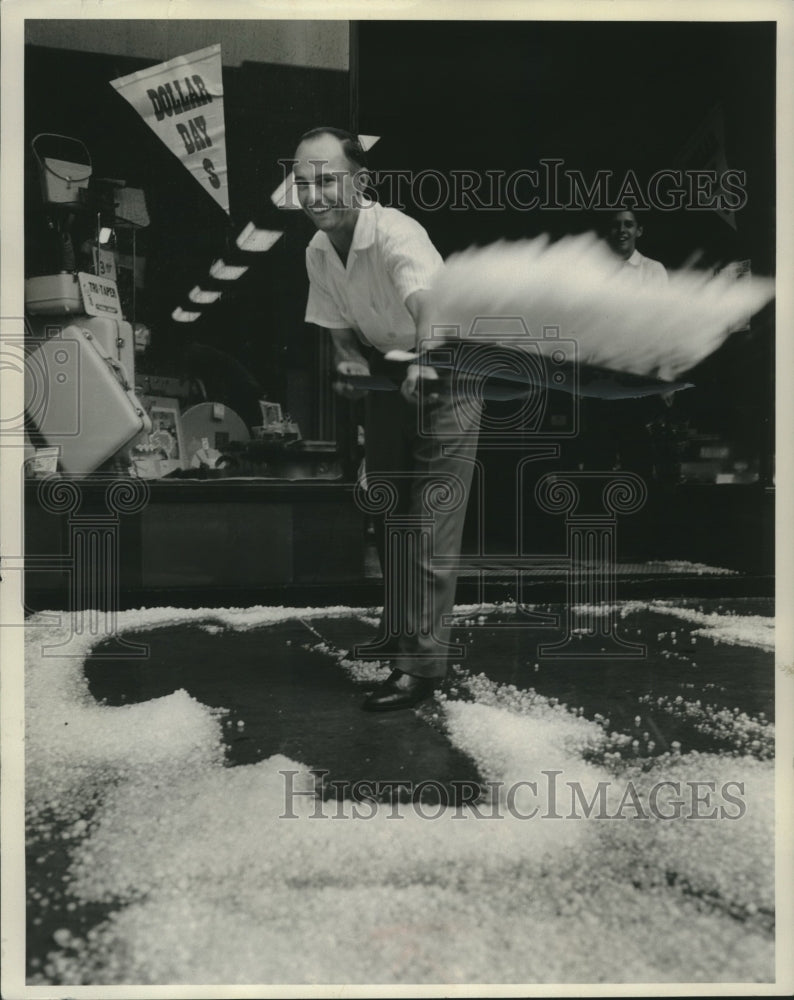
x=53, y=295
x=62, y=180
x=43, y=462
x=79, y=399
x=166, y=385
x=276, y=427
x=211, y=427
x=160, y=450
x=116, y=338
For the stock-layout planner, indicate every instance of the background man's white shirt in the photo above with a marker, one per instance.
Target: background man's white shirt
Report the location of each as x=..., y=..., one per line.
x=645, y=270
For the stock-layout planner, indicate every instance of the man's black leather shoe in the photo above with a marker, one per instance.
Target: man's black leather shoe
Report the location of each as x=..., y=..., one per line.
x=400, y=690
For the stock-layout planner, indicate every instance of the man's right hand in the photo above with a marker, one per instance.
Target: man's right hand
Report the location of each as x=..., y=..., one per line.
x=342, y=386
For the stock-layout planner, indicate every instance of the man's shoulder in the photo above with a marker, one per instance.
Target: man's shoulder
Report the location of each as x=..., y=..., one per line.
x=318, y=242
x=391, y=222
x=647, y=261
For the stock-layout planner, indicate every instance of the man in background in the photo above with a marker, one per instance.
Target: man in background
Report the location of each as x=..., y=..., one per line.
x=616, y=434
x=623, y=231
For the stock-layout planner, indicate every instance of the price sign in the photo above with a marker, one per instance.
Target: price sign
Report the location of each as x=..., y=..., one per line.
x=105, y=263
x=100, y=295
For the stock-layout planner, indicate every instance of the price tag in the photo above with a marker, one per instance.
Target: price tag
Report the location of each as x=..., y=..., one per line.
x=100, y=295
x=105, y=263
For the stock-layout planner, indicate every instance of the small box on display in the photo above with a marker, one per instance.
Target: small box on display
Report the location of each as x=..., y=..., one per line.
x=43, y=462
x=164, y=385
x=63, y=176
x=53, y=295
x=63, y=180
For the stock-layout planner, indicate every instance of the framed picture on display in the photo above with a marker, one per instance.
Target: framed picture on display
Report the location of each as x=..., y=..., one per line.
x=162, y=450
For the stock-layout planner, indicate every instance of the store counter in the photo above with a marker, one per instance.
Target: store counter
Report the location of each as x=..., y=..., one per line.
x=205, y=536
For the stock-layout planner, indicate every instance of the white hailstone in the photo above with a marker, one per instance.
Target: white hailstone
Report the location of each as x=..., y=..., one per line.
x=62, y=937
x=103, y=956
x=637, y=720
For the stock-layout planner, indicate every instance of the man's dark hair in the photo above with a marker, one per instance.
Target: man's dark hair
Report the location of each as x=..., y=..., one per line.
x=351, y=145
x=605, y=219
x=638, y=214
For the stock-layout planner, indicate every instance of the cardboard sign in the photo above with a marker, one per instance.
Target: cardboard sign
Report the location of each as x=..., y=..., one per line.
x=182, y=102
x=100, y=295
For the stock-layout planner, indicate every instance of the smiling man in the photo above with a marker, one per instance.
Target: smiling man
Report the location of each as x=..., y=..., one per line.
x=623, y=231
x=369, y=271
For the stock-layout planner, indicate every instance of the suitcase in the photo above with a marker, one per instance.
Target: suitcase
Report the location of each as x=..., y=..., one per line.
x=115, y=337
x=81, y=399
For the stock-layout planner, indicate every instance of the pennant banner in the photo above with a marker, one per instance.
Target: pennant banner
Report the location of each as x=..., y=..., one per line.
x=182, y=102
x=705, y=150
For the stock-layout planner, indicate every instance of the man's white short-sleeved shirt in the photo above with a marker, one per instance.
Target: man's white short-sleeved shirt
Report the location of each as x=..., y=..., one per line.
x=391, y=257
x=645, y=270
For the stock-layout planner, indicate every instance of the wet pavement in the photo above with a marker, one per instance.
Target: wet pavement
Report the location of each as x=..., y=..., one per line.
x=287, y=692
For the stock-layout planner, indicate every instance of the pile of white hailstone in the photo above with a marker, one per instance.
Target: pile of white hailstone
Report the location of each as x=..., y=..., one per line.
x=211, y=880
